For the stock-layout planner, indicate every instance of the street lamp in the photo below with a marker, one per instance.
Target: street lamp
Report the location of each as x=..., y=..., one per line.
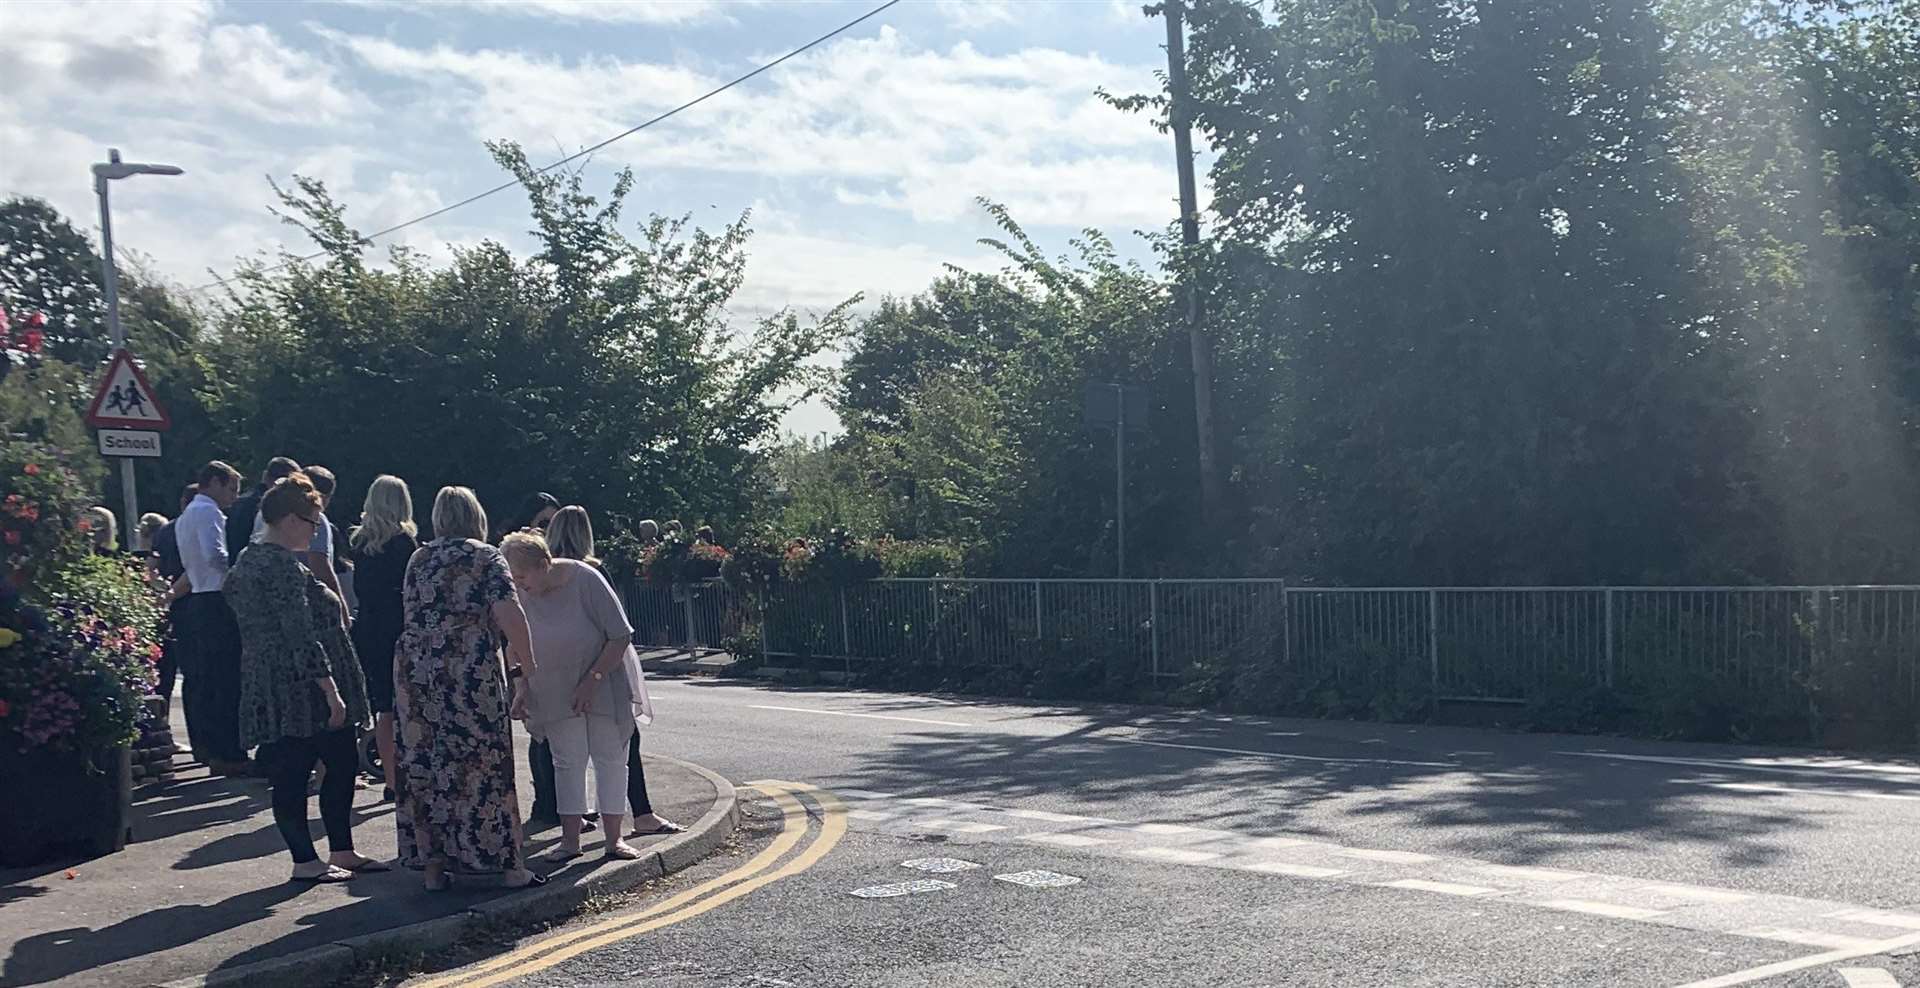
x=103, y=173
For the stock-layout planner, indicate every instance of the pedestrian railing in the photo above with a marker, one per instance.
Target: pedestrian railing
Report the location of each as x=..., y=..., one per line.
x=1490, y=643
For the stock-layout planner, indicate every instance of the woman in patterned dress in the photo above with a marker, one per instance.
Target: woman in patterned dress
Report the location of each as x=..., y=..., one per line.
x=457, y=809
x=302, y=697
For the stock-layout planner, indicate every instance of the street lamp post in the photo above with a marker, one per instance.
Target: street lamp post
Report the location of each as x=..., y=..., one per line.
x=114, y=168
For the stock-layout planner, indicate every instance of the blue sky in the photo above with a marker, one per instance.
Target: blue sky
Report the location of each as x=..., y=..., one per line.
x=861, y=159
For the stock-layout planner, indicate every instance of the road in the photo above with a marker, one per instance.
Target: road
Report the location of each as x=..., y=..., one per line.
x=1215, y=850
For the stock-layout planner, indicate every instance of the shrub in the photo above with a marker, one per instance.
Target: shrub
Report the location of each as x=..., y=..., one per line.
x=753, y=569
x=923, y=559
x=42, y=499
x=69, y=679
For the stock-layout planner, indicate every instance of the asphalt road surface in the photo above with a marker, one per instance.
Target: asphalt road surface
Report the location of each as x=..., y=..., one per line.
x=1127, y=846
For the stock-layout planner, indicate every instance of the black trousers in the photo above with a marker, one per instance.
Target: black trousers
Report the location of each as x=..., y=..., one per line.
x=289, y=763
x=170, y=653
x=209, y=650
x=540, y=759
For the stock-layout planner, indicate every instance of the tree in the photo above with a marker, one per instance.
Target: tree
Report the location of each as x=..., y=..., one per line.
x=603, y=368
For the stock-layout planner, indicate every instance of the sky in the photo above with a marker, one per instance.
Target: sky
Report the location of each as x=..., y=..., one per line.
x=861, y=160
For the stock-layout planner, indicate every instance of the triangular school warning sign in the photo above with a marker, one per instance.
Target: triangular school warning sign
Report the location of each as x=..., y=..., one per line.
x=125, y=399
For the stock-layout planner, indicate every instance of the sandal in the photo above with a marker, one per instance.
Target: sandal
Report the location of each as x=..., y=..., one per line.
x=326, y=876
x=620, y=851
x=532, y=880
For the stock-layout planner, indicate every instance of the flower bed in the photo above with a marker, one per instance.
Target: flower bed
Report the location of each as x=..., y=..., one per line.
x=78, y=650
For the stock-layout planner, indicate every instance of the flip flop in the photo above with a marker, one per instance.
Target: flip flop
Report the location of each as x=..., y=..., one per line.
x=329, y=877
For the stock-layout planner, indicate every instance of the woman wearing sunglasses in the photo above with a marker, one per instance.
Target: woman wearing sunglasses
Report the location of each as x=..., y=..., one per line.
x=303, y=697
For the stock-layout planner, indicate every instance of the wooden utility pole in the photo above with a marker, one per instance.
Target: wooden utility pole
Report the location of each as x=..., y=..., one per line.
x=1198, y=341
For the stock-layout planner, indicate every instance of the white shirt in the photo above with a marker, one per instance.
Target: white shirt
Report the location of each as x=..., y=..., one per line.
x=202, y=533
x=322, y=535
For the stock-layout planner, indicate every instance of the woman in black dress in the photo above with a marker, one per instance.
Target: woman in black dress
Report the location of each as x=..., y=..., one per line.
x=381, y=547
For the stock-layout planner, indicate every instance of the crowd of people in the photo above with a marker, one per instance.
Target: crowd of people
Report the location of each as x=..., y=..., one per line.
x=295, y=641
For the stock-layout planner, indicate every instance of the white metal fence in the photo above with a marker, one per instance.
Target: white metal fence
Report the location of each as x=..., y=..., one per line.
x=1468, y=642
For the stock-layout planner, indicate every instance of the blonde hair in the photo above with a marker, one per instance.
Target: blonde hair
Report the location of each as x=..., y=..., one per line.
x=387, y=512
x=101, y=519
x=457, y=514
x=526, y=549
x=150, y=525
x=570, y=534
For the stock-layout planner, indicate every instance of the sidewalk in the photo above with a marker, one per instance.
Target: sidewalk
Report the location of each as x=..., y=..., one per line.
x=203, y=890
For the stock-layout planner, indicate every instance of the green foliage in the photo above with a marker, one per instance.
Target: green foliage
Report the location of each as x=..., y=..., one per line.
x=919, y=558
x=40, y=504
x=753, y=566
x=114, y=587
x=78, y=632
x=841, y=559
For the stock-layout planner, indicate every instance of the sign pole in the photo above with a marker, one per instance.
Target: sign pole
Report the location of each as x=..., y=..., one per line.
x=130, y=520
x=1120, y=475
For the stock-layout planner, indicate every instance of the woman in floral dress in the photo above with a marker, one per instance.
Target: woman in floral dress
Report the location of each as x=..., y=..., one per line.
x=457, y=809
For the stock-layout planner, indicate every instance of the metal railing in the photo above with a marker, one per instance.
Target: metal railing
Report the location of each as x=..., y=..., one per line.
x=1494, y=643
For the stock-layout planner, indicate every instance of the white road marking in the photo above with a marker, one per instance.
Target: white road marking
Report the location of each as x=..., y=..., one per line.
x=1274, y=754
x=1045, y=817
x=958, y=826
x=1174, y=854
x=945, y=804
x=1531, y=874
x=1067, y=840
x=1169, y=830
x=1444, y=888
x=1393, y=857
x=1296, y=870
x=1809, y=938
x=848, y=713
x=902, y=888
x=1037, y=879
x=1793, y=791
x=1278, y=843
x=939, y=866
x=1878, y=917
x=1606, y=909
x=1832, y=769
x=1698, y=893
x=1867, y=977
x=1765, y=971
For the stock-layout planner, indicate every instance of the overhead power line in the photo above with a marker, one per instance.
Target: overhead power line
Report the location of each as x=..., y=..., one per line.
x=576, y=156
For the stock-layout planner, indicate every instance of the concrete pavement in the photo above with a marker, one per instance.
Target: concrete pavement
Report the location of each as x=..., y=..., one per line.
x=1233, y=850
x=203, y=892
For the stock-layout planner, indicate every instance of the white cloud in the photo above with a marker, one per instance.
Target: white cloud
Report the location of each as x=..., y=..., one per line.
x=883, y=121
x=140, y=56
x=976, y=14
x=591, y=11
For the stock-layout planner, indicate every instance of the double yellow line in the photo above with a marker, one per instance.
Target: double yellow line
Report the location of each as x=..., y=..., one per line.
x=709, y=895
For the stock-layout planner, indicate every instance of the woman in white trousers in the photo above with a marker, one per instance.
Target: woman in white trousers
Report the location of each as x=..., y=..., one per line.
x=580, y=700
